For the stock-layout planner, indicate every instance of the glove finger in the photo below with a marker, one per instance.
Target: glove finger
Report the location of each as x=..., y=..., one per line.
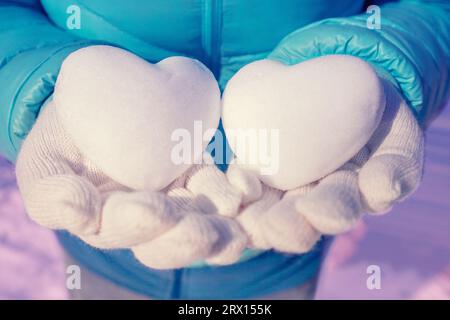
x=213, y=191
x=244, y=182
x=396, y=164
x=388, y=178
x=232, y=243
x=194, y=238
x=184, y=200
x=286, y=230
x=131, y=218
x=334, y=205
x=64, y=202
x=250, y=217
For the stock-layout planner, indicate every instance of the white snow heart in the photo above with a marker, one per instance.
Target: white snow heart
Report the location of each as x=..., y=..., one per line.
x=324, y=110
x=121, y=111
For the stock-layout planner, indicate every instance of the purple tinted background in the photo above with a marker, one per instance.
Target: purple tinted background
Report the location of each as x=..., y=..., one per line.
x=411, y=244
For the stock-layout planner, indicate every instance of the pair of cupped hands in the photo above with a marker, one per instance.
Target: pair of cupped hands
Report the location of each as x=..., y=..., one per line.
x=95, y=164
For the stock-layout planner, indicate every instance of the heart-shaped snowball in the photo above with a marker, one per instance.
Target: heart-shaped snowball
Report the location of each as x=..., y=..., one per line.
x=295, y=124
x=127, y=115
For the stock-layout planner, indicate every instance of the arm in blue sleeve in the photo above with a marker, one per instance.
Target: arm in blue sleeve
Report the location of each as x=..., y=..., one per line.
x=411, y=49
x=31, y=53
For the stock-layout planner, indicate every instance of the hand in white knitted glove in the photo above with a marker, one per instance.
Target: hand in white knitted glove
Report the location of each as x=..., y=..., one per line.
x=385, y=171
x=168, y=229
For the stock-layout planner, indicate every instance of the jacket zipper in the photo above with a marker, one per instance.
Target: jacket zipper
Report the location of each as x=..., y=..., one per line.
x=212, y=33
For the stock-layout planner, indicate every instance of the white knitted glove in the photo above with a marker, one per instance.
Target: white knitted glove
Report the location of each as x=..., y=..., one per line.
x=386, y=170
x=62, y=189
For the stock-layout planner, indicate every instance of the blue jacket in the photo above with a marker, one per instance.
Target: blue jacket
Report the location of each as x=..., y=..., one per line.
x=411, y=49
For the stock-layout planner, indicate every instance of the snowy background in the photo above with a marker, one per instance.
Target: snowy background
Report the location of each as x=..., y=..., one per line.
x=411, y=245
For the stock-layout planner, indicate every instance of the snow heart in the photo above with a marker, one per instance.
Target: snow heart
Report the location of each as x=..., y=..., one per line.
x=324, y=109
x=121, y=111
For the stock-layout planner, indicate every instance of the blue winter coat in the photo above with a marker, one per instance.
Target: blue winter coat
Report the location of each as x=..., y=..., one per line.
x=411, y=49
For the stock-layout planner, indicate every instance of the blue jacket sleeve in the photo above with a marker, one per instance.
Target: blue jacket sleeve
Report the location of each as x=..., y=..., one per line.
x=411, y=48
x=31, y=53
